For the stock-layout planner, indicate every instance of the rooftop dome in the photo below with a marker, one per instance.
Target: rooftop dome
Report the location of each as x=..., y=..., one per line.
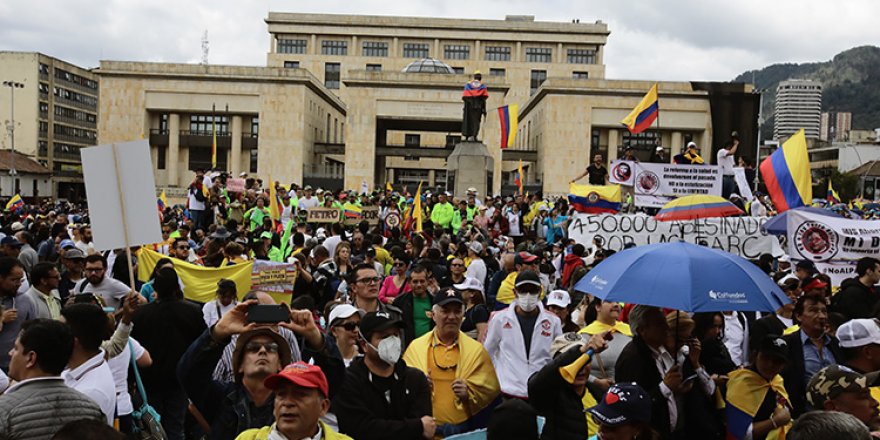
x=427, y=65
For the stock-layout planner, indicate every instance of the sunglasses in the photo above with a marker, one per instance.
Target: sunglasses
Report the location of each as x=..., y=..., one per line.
x=254, y=347
x=350, y=326
x=374, y=280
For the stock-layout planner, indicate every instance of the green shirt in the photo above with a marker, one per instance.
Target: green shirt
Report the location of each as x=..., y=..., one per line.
x=421, y=307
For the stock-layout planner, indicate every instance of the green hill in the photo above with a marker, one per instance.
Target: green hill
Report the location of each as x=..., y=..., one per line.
x=850, y=83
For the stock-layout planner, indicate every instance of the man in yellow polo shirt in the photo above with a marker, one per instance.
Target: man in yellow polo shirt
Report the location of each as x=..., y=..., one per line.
x=458, y=367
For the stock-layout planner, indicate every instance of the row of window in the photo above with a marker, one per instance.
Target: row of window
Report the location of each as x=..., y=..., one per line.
x=87, y=100
x=86, y=135
x=76, y=79
x=200, y=158
x=70, y=113
x=450, y=51
x=205, y=124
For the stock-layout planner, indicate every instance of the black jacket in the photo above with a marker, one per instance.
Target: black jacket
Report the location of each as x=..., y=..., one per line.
x=793, y=374
x=636, y=364
x=166, y=328
x=855, y=300
x=227, y=406
x=405, y=304
x=555, y=399
x=364, y=413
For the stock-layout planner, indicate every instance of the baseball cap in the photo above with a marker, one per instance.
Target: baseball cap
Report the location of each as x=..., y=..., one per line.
x=67, y=243
x=858, y=333
x=470, y=283
x=565, y=342
x=524, y=258
x=773, y=345
x=447, y=296
x=806, y=265
x=266, y=234
x=659, y=148
x=238, y=353
x=815, y=283
x=300, y=374
x=343, y=311
x=74, y=254
x=623, y=403
x=10, y=241
x=559, y=298
x=834, y=380
x=527, y=277
x=784, y=259
x=691, y=145
x=475, y=246
x=17, y=226
x=377, y=321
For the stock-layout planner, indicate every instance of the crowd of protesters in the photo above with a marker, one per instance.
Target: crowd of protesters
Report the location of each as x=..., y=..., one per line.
x=463, y=318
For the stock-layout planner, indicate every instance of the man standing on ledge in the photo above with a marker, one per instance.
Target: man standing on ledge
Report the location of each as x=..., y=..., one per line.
x=474, y=96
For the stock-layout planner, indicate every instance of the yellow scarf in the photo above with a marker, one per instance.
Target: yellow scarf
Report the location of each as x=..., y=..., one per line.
x=597, y=327
x=746, y=391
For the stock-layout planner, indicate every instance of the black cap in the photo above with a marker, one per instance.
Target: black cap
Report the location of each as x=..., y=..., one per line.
x=10, y=241
x=773, y=345
x=448, y=295
x=623, y=403
x=526, y=277
x=377, y=321
x=807, y=265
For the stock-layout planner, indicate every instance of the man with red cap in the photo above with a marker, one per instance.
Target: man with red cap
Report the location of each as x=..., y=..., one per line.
x=301, y=399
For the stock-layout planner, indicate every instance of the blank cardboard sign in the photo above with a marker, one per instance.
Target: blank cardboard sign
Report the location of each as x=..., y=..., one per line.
x=111, y=221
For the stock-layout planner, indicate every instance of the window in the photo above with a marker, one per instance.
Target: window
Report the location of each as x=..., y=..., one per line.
x=255, y=126
x=43, y=148
x=334, y=47
x=412, y=140
x=200, y=157
x=458, y=70
x=291, y=46
x=539, y=55
x=456, y=52
x=203, y=125
x=44, y=88
x=580, y=75
x=331, y=75
x=375, y=49
x=374, y=67
x=291, y=64
x=44, y=69
x=163, y=123
x=581, y=56
x=497, y=53
x=538, y=77
x=72, y=115
x=160, y=156
x=44, y=107
x=253, y=164
x=327, y=131
x=497, y=72
x=452, y=140
x=75, y=134
x=646, y=139
x=415, y=50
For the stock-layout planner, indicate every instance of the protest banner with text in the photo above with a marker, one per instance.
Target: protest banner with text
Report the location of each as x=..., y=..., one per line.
x=655, y=184
x=831, y=239
x=738, y=235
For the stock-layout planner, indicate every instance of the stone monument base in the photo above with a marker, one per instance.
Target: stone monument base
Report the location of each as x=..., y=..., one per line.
x=469, y=166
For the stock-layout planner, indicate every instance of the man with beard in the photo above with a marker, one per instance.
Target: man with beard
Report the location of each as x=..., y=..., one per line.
x=17, y=307
x=97, y=282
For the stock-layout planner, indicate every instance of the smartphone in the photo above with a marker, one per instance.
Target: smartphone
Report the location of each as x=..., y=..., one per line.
x=268, y=313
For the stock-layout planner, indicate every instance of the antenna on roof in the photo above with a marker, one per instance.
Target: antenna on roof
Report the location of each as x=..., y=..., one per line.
x=205, y=48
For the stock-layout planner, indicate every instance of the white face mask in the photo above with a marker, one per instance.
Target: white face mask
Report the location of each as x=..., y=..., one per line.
x=527, y=302
x=389, y=349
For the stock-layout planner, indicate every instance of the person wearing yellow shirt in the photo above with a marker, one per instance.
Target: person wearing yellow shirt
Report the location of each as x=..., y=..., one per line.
x=607, y=315
x=459, y=368
x=521, y=261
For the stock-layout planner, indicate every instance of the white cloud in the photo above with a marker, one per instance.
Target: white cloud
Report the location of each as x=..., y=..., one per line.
x=667, y=40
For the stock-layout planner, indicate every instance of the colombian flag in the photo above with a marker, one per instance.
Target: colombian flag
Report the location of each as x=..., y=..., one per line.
x=745, y=394
x=475, y=89
x=641, y=117
x=161, y=204
x=352, y=211
x=786, y=173
x=213, y=143
x=518, y=180
x=594, y=199
x=508, y=115
x=275, y=207
x=14, y=203
x=832, y=196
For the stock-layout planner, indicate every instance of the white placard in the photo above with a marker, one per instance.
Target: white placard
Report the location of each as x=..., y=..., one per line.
x=654, y=184
x=738, y=235
x=138, y=193
x=745, y=190
x=821, y=238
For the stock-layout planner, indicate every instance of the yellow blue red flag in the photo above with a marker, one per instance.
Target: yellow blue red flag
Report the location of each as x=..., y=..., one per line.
x=644, y=114
x=594, y=199
x=832, y=195
x=14, y=203
x=508, y=116
x=786, y=173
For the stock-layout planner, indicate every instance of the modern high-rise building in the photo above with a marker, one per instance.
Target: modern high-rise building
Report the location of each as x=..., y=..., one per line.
x=56, y=114
x=798, y=105
x=835, y=126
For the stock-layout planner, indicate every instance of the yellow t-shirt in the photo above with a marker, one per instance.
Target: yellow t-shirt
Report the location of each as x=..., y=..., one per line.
x=442, y=362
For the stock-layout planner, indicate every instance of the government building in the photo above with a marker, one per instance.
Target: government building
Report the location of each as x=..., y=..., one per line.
x=347, y=100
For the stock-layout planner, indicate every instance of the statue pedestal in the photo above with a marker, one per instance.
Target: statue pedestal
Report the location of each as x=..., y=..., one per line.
x=470, y=166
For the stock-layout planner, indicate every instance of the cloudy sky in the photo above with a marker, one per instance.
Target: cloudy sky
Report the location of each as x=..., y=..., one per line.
x=650, y=39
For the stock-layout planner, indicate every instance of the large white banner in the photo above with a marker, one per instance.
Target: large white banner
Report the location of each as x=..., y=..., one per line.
x=655, y=184
x=823, y=239
x=737, y=235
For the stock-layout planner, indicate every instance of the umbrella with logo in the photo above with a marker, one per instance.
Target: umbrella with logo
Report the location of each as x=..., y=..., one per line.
x=684, y=277
x=697, y=206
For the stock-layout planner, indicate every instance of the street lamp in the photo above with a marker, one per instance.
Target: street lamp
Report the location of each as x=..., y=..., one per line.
x=11, y=125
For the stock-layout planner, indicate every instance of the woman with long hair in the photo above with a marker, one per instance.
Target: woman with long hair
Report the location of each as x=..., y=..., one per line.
x=342, y=258
x=397, y=284
x=476, y=315
x=708, y=328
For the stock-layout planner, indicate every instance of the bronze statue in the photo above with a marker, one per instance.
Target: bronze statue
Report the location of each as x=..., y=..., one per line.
x=474, y=96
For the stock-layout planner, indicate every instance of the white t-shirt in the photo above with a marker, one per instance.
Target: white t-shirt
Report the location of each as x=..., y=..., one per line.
x=330, y=243
x=306, y=203
x=726, y=162
x=119, y=367
x=111, y=290
x=477, y=269
x=736, y=338
x=87, y=248
x=94, y=379
x=513, y=223
x=194, y=203
x=758, y=209
x=212, y=311
x=286, y=214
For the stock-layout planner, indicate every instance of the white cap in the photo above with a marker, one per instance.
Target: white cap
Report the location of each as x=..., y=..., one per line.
x=17, y=226
x=472, y=190
x=243, y=174
x=782, y=280
x=558, y=298
x=476, y=247
x=343, y=311
x=784, y=259
x=470, y=283
x=659, y=148
x=691, y=144
x=858, y=333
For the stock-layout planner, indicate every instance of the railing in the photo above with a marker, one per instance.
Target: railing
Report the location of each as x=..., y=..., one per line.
x=77, y=104
x=324, y=170
x=204, y=133
x=74, y=121
x=77, y=139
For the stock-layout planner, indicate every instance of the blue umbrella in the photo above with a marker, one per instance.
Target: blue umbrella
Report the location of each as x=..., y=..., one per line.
x=685, y=277
x=779, y=225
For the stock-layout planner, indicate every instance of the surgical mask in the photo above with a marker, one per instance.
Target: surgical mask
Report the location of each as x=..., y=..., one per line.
x=527, y=302
x=389, y=349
